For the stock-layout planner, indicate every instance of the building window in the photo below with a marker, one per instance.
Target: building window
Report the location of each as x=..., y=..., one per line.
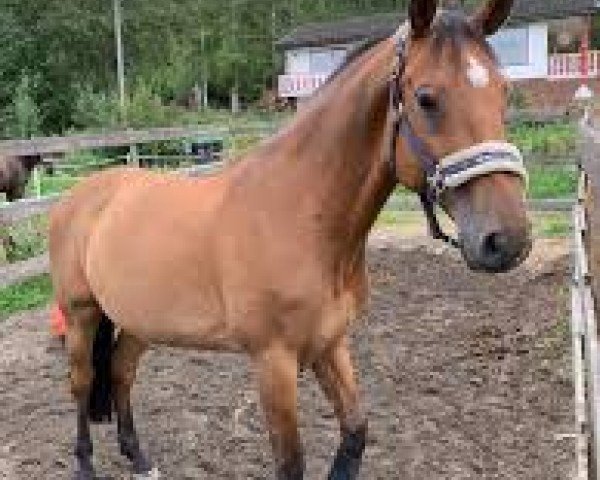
x=326, y=61
x=297, y=62
x=511, y=46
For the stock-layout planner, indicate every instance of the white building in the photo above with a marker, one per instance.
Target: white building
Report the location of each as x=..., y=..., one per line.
x=542, y=41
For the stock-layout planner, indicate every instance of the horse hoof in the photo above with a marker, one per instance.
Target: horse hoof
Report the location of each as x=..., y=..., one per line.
x=142, y=466
x=84, y=475
x=153, y=474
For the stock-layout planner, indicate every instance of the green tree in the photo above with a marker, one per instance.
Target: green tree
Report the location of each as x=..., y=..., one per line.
x=23, y=111
x=67, y=51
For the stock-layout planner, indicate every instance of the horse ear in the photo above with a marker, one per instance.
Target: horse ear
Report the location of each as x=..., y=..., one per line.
x=421, y=14
x=490, y=17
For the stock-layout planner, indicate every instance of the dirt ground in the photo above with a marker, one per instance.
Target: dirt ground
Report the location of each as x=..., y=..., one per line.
x=465, y=376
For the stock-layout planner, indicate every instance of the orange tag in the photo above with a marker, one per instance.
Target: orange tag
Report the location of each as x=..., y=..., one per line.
x=58, y=323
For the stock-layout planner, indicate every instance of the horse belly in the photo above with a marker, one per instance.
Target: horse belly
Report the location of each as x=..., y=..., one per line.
x=191, y=329
x=186, y=320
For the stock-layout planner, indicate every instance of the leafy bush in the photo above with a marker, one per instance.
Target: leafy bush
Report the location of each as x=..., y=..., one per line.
x=25, y=239
x=94, y=110
x=23, y=118
x=552, y=139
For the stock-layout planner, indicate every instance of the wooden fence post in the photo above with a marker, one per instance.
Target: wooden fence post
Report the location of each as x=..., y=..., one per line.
x=133, y=159
x=37, y=181
x=589, y=197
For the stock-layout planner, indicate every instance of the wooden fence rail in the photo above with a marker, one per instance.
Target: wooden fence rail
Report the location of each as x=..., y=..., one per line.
x=12, y=212
x=53, y=145
x=22, y=271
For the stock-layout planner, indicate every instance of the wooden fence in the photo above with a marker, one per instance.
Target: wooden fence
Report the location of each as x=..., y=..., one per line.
x=585, y=291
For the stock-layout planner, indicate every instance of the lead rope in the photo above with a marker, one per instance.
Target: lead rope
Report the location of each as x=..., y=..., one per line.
x=400, y=125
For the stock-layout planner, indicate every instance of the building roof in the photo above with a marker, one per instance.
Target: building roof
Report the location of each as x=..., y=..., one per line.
x=384, y=25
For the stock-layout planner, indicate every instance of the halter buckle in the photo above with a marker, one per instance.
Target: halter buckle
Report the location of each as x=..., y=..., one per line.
x=437, y=184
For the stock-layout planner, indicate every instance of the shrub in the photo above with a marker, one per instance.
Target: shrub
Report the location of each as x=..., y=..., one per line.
x=94, y=110
x=23, y=116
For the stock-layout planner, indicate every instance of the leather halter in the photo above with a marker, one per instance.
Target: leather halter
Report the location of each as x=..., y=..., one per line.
x=451, y=171
x=401, y=126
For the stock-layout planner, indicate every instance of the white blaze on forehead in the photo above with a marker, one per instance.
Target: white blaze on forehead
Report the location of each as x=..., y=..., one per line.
x=478, y=75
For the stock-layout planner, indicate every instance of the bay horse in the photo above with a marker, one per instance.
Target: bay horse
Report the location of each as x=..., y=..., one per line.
x=15, y=172
x=267, y=258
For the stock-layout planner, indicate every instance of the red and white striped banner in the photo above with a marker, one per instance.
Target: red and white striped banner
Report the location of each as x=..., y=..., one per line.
x=299, y=85
x=574, y=65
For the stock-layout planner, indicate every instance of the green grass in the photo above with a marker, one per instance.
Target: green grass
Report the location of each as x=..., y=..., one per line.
x=550, y=181
x=34, y=293
x=551, y=224
x=51, y=184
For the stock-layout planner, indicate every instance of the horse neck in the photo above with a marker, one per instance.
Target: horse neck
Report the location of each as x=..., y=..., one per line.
x=336, y=150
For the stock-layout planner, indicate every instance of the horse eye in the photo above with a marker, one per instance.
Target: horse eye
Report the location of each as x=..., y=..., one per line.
x=426, y=99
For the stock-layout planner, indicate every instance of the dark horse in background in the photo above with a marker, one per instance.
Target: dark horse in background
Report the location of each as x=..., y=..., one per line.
x=268, y=258
x=15, y=172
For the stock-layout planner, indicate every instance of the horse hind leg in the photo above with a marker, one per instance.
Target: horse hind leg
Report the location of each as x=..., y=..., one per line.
x=335, y=374
x=84, y=319
x=128, y=351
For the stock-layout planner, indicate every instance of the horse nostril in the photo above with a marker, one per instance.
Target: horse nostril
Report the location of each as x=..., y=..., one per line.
x=492, y=244
x=494, y=249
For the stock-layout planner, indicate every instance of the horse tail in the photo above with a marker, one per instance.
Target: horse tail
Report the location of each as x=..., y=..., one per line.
x=101, y=394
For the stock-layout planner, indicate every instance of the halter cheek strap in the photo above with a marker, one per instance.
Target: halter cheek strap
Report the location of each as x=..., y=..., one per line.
x=451, y=171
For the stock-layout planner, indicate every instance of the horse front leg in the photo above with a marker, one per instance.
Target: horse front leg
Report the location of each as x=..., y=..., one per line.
x=335, y=374
x=278, y=384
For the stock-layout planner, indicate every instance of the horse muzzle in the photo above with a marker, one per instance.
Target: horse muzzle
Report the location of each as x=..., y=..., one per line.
x=486, y=184
x=496, y=251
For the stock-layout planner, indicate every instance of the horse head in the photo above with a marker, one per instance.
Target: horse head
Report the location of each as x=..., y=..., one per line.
x=452, y=146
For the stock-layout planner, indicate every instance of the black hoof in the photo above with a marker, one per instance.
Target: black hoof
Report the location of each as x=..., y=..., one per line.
x=348, y=459
x=84, y=474
x=153, y=474
x=141, y=465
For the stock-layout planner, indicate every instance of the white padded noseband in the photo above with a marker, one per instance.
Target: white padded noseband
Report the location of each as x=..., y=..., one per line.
x=481, y=159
